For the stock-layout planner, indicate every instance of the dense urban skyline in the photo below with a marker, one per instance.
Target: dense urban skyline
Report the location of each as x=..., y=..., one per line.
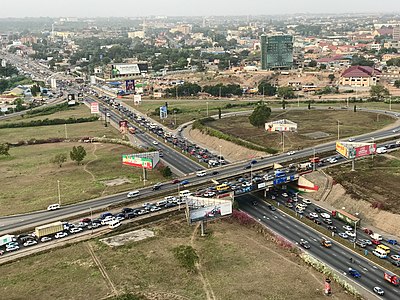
x=102, y=8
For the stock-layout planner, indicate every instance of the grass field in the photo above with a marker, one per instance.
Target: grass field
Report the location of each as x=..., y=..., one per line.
x=29, y=180
x=309, y=121
x=375, y=180
x=236, y=262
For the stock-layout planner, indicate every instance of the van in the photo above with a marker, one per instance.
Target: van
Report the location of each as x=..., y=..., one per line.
x=53, y=206
x=161, y=203
x=384, y=248
x=114, y=224
x=222, y=187
x=379, y=253
x=133, y=194
x=184, y=193
x=376, y=236
x=381, y=150
x=201, y=173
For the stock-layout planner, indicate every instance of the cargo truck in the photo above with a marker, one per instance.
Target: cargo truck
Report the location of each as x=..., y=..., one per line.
x=48, y=229
x=5, y=239
x=393, y=279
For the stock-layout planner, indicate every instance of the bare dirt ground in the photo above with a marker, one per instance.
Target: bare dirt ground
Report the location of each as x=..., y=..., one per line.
x=230, y=151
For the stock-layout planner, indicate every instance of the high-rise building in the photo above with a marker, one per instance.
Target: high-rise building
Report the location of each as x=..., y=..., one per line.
x=396, y=33
x=276, y=52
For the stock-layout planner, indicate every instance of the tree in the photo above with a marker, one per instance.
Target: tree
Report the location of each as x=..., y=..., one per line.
x=4, y=148
x=312, y=64
x=77, y=154
x=355, y=108
x=397, y=84
x=379, y=91
x=286, y=92
x=166, y=172
x=265, y=88
x=331, y=77
x=260, y=115
x=59, y=159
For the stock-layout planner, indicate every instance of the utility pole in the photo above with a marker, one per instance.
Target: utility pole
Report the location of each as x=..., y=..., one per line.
x=105, y=117
x=207, y=109
x=59, y=193
x=283, y=141
x=176, y=92
x=338, y=130
x=219, y=92
x=314, y=160
x=390, y=103
x=66, y=133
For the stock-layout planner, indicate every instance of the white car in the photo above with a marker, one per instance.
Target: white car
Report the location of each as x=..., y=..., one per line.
x=313, y=215
x=30, y=243
x=352, y=139
x=60, y=235
x=379, y=291
x=291, y=153
x=53, y=206
x=75, y=230
x=347, y=227
x=45, y=239
x=306, y=201
x=343, y=235
x=325, y=216
x=12, y=248
x=155, y=143
x=350, y=233
x=285, y=195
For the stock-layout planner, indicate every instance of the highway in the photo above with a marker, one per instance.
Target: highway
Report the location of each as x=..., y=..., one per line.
x=337, y=257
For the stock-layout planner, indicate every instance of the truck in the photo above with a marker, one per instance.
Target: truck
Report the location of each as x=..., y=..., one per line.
x=304, y=166
x=5, y=239
x=393, y=279
x=48, y=229
x=280, y=173
x=346, y=217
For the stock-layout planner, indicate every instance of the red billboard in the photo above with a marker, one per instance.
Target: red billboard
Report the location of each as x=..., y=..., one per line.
x=365, y=150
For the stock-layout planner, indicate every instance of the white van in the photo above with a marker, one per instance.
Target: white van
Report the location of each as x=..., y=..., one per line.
x=184, y=193
x=161, y=203
x=379, y=253
x=201, y=173
x=376, y=236
x=114, y=224
x=53, y=206
x=381, y=150
x=133, y=194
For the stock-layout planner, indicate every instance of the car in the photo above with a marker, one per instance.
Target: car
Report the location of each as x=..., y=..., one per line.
x=291, y=153
x=183, y=182
x=271, y=207
x=366, y=241
x=327, y=221
x=318, y=210
x=352, y=139
x=306, y=201
x=379, y=291
x=75, y=230
x=253, y=162
x=368, y=231
x=157, y=186
x=86, y=220
x=45, y=239
x=392, y=242
x=247, y=167
x=30, y=243
x=215, y=173
x=325, y=215
x=1, y=252
x=395, y=257
x=155, y=143
x=343, y=235
x=350, y=233
x=395, y=130
x=361, y=244
x=396, y=263
x=316, y=221
x=347, y=227
x=375, y=242
x=175, y=181
x=288, y=204
x=354, y=273
x=304, y=244
x=285, y=195
x=53, y=206
x=332, y=228
x=60, y=235
x=313, y=215
x=12, y=248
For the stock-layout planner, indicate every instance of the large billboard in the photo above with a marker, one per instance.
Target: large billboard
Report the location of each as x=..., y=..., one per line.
x=123, y=127
x=130, y=85
x=125, y=69
x=355, y=150
x=281, y=126
x=146, y=160
x=94, y=108
x=202, y=209
x=163, y=112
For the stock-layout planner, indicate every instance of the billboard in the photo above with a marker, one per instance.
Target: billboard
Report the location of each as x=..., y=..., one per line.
x=94, y=108
x=137, y=99
x=71, y=97
x=146, y=160
x=125, y=69
x=163, y=112
x=281, y=126
x=123, y=127
x=355, y=150
x=80, y=96
x=130, y=85
x=202, y=209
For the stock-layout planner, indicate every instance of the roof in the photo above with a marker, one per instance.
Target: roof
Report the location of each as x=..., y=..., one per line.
x=361, y=71
x=385, y=31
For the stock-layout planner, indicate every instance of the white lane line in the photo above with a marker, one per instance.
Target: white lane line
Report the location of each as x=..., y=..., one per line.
x=275, y=217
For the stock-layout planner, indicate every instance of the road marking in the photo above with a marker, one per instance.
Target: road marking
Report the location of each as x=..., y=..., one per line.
x=275, y=217
x=333, y=254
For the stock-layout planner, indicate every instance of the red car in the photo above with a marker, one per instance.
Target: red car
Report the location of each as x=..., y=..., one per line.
x=368, y=231
x=175, y=181
x=375, y=242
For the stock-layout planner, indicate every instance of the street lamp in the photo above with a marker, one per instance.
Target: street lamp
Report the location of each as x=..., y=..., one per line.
x=59, y=193
x=338, y=129
x=207, y=109
x=220, y=155
x=314, y=159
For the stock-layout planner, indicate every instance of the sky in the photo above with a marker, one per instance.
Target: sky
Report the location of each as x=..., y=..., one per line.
x=138, y=8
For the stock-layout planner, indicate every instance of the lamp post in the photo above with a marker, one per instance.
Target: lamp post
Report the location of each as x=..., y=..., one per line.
x=207, y=109
x=313, y=159
x=338, y=129
x=390, y=103
x=59, y=193
x=91, y=217
x=220, y=155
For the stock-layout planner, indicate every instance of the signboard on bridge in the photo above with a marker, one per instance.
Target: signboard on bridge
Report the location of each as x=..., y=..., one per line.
x=203, y=209
x=146, y=160
x=355, y=150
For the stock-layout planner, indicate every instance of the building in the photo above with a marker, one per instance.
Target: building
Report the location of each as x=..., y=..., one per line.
x=125, y=70
x=361, y=76
x=396, y=33
x=276, y=52
x=139, y=34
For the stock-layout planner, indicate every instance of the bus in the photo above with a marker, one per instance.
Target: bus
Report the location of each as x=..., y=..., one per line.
x=222, y=187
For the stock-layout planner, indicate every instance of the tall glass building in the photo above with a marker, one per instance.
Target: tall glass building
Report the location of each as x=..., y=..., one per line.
x=276, y=52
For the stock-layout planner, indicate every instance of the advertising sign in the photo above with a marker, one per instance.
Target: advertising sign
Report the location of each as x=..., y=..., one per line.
x=94, y=108
x=80, y=96
x=130, y=85
x=163, y=112
x=123, y=127
x=71, y=97
x=365, y=150
x=341, y=149
x=125, y=69
x=146, y=160
x=355, y=150
x=202, y=209
x=281, y=126
x=137, y=99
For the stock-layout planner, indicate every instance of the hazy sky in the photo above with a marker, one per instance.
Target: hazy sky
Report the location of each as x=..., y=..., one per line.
x=135, y=8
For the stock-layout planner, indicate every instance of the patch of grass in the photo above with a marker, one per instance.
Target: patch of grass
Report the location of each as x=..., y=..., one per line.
x=29, y=167
x=186, y=256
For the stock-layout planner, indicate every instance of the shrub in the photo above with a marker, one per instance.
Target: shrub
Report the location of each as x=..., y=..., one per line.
x=186, y=256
